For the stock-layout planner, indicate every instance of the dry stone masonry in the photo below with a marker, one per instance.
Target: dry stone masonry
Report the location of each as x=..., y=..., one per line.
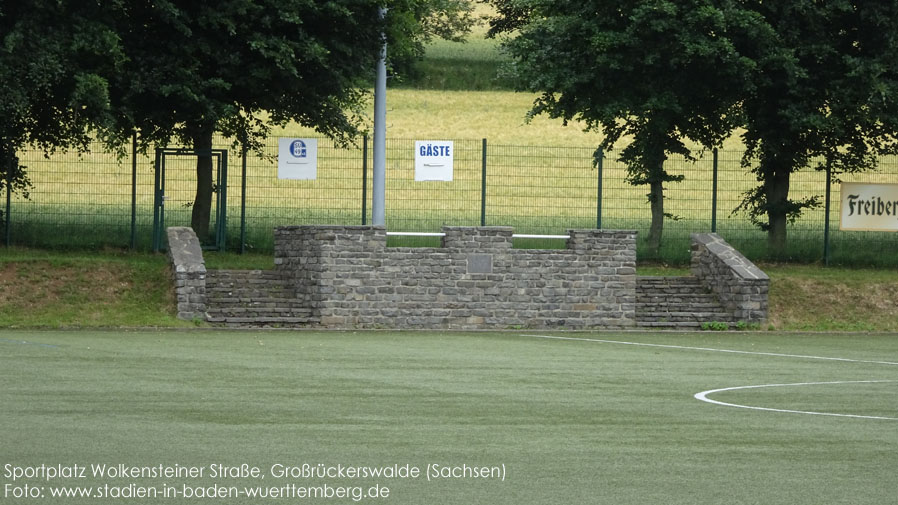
x=740, y=286
x=259, y=298
x=347, y=277
x=350, y=278
x=677, y=303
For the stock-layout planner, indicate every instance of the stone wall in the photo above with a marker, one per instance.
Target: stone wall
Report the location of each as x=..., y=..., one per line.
x=740, y=285
x=350, y=278
x=189, y=272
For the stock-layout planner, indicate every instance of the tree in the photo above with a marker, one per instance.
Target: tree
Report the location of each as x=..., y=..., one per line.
x=510, y=15
x=658, y=71
x=54, y=59
x=824, y=94
x=419, y=22
x=239, y=67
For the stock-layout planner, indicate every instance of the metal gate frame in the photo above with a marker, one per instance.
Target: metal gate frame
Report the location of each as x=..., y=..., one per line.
x=221, y=213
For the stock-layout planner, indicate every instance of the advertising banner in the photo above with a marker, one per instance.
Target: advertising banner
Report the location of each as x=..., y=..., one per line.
x=869, y=207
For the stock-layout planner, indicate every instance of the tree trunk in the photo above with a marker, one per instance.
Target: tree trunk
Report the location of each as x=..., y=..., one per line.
x=656, y=198
x=5, y=187
x=776, y=191
x=202, y=203
x=656, y=178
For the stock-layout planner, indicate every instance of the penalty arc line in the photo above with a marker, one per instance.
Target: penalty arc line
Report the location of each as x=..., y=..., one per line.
x=703, y=396
x=711, y=349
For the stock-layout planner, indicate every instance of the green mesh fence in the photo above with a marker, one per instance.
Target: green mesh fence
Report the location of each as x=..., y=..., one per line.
x=98, y=199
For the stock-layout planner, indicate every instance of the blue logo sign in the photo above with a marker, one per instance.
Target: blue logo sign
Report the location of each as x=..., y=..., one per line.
x=298, y=149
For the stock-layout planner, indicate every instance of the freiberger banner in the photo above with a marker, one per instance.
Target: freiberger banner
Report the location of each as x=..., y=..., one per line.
x=869, y=207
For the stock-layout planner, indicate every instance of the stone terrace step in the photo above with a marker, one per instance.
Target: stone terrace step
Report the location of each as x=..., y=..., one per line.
x=247, y=284
x=684, y=284
x=254, y=299
x=669, y=325
x=250, y=301
x=683, y=316
x=255, y=311
x=676, y=302
x=264, y=322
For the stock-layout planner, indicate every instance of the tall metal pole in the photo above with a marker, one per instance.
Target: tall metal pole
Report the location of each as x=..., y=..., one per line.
x=380, y=134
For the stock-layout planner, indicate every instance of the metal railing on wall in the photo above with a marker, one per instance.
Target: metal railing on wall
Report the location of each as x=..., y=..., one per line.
x=95, y=199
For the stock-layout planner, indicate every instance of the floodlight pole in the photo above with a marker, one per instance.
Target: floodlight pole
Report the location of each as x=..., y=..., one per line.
x=380, y=133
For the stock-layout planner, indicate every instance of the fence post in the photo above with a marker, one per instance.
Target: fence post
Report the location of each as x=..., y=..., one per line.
x=599, y=157
x=134, y=191
x=157, y=200
x=243, y=199
x=826, y=212
x=714, y=194
x=364, y=180
x=483, y=184
x=7, y=216
x=223, y=210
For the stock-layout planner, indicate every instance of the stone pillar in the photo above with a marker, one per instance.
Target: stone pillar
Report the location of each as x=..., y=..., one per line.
x=612, y=256
x=189, y=272
x=319, y=260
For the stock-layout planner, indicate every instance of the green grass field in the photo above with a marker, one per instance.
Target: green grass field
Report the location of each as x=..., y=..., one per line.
x=609, y=419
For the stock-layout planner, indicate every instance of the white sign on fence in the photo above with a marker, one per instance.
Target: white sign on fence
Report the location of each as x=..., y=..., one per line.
x=297, y=158
x=433, y=160
x=869, y=207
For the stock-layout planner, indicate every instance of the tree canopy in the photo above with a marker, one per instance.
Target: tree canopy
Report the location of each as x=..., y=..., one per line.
x=825, y=93
x=809, y=83
x=179, y=70
x=657, y=71
x=241, y=67
x=55, y=58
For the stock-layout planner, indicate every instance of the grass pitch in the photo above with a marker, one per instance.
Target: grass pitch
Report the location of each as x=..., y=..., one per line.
x=598, y=420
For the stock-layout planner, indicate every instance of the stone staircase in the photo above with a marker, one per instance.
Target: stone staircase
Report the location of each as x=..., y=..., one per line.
x=253, y=298
x=262, y=298
x=676, y=303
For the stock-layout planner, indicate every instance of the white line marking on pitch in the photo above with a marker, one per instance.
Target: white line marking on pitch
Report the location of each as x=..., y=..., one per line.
x=703, y=396
x=710, y=349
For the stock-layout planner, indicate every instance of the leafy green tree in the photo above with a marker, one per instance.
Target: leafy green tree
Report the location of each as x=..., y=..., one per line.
x=660, y=72
x=510, y=16
x=824, y=93
x=195, y=67
x=54, y=59
x=421, y=21
x=242, y=67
